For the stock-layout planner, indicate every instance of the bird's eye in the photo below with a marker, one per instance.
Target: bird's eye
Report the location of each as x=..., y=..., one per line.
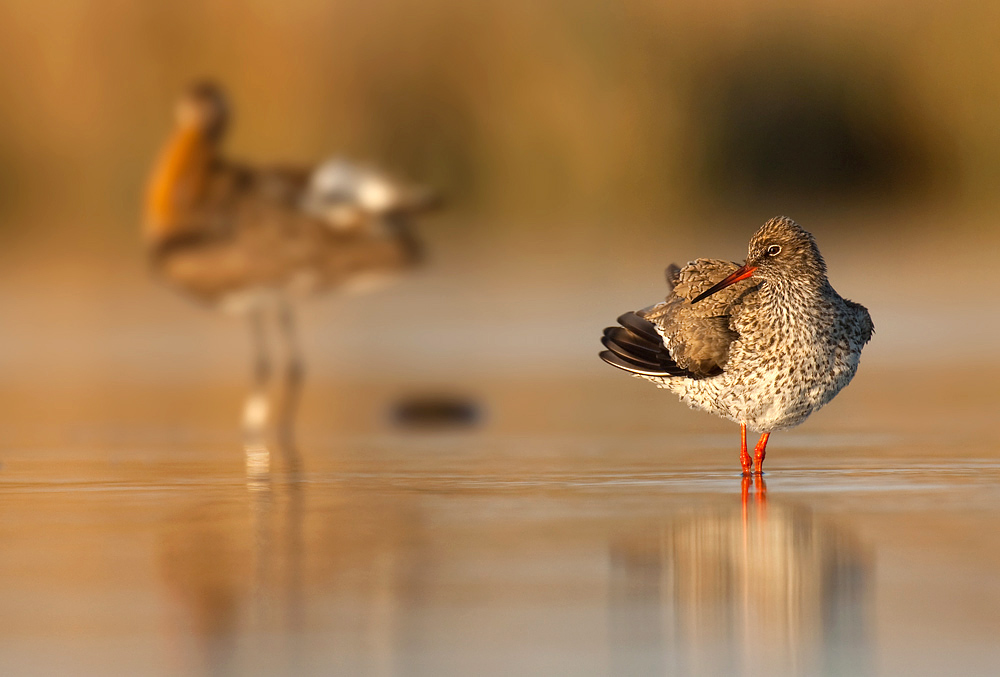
x=773, y=250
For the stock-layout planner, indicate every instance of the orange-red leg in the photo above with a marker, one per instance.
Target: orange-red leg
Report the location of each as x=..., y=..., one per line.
x=758, y=454
x=744, y=456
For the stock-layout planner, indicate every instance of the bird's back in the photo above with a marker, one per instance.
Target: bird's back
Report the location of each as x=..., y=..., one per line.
x=252, y=236
x=699, y=335
x=223, y=230
x=228, y=227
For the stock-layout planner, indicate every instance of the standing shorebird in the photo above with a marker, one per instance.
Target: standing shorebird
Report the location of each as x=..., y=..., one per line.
x=764, y=344
x=247, y=240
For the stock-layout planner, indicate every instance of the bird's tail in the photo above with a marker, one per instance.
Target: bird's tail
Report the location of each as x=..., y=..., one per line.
x=636, y=347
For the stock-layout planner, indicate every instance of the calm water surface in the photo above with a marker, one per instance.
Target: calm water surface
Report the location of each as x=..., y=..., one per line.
x=136, y=549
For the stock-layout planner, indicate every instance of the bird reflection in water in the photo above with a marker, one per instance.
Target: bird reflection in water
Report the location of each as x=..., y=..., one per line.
x=235, y=566
x=281, y=577
x=762, y=588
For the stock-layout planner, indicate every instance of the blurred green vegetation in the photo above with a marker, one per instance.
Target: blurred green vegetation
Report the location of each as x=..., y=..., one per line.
x=560, y=110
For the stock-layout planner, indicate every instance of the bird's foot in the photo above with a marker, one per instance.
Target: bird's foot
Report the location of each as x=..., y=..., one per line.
x=759, y=452
x=255, y=414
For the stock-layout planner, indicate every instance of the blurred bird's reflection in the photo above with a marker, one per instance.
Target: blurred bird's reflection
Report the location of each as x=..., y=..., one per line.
x=758, y=588
x=237, y=567
x=264, y=565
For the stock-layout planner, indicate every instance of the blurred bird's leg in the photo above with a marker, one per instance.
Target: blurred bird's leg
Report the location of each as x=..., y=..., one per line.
x=293, y=376
x=256, y=409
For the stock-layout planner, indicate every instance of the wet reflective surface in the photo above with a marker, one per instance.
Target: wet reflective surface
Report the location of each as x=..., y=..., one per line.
x=872, y=547
x=470, y=491
x=580, y=528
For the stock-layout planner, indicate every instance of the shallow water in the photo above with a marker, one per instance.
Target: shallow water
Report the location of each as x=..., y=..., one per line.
x=574, y=545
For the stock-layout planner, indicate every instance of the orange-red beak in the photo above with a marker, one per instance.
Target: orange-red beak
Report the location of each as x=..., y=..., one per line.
x=741, y=273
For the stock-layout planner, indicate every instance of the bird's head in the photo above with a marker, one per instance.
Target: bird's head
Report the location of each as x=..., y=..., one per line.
x=203, y=107
x=780, y=251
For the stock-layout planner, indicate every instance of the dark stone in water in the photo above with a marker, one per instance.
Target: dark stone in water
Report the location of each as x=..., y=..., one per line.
x=435, y=412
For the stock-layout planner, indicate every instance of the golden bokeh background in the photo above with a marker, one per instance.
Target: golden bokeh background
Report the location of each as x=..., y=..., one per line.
x=590, y=524
x=581, y=147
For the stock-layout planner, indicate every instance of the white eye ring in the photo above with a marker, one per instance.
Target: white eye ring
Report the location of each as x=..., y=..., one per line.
x=774, y=250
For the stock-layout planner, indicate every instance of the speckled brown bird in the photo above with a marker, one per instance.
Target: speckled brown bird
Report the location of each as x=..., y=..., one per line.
x=764, y=344
x=247, y=240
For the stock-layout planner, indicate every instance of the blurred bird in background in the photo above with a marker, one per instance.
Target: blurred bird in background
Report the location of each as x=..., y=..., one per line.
x=248, y=240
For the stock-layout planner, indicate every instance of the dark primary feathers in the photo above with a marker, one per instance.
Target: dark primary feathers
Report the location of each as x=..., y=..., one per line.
x=698, y=335
x=636, y=347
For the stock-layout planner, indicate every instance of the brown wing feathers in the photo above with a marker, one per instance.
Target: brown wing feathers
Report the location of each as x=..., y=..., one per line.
x=699, y=335
x=635, y=346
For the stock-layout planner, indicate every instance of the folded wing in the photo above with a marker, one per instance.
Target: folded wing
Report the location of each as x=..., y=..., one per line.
x=676, y=338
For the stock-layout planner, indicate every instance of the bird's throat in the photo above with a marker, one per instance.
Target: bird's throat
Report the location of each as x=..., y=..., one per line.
x=177, y=183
